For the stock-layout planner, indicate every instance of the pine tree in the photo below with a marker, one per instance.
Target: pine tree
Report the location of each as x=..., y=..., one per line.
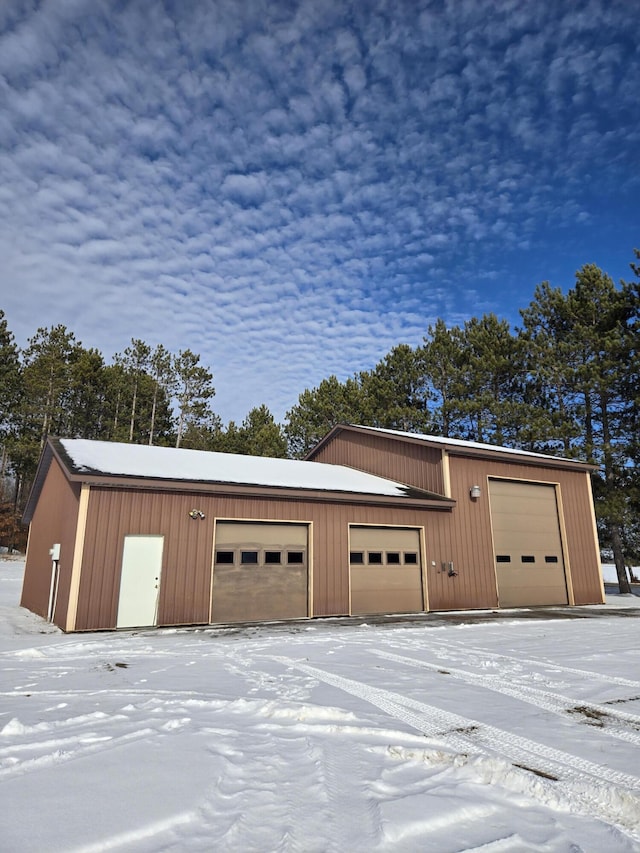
x=551, y=361
x=320, y=409
x=194, y=389
x=260, y=435
x=87, y=395
x=442, y=358
x=492, y=375
x=10, y=377
x=134, y=361
x=164, y=381
x=47, y=363
x=581, y=352
x=394, y=394
x=10, y=394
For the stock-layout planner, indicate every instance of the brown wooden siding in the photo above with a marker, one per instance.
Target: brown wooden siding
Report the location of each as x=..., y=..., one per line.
x=472, y=542
x=464, y=537
x=187, y=559
x=402, y=461
x=461, y=536
x=186, y=569
x=54, y=520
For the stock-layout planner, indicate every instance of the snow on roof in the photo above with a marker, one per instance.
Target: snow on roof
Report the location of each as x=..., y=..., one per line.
x=168, y=463
x=470, y=445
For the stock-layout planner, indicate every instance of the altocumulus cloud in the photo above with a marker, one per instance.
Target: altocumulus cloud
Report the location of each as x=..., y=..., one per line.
x=290, y=189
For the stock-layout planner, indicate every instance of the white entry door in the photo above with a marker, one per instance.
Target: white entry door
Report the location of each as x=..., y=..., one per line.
x=140, y=581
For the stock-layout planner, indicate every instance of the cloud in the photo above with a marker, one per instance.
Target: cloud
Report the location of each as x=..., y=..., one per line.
x=291, y=192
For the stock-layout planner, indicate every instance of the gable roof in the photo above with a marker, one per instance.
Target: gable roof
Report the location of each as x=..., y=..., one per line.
x=113, y=463
x=459, y=447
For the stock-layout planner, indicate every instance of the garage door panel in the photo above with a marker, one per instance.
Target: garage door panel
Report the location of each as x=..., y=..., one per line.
x=528, y=587
x=241, y=597
x=384, y=538
x=260, y=572
x=396, y=602
x=528, y=545
x=386, y=578
x=526, y=525
x=392, y=584
x=246, y=533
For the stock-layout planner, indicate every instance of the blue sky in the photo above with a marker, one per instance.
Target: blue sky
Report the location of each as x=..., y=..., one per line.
x=292, y=188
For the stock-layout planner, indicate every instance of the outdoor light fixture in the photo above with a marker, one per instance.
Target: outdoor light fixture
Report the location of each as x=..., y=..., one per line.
x=196, y=515
x=475, y=492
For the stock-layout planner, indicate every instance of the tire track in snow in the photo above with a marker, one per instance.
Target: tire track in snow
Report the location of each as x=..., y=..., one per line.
x=554, y=702
x=563, y=777
x=357, y=823
x=84, y=735
x=482, y=655
x=59, y=754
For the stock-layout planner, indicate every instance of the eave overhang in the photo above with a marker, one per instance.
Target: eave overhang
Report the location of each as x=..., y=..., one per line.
x=413, y=497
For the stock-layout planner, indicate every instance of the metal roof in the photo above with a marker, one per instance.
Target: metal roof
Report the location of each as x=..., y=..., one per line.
x=86, y=460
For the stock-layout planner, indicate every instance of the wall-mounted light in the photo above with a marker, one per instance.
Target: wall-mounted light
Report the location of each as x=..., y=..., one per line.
x=196, y=515
x=475, y=492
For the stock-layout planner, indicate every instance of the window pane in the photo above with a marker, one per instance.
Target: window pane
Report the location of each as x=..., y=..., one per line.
x=272, y=557
x=503, y=558
x=551, y=559
x=410, y=558
x=527, y=558
x=356, y=557
x=248, y=557
x=224, y=557
x=295, y=557
x=393, y=558
x=375, y=558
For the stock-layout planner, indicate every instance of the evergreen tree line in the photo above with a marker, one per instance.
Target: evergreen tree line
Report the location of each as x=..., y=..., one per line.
x=565, y=381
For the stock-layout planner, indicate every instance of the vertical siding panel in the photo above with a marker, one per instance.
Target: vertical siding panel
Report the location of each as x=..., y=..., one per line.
x=187, y=558
x=461, y=535
x=465, y=536
x=54, y=521
x=580, y=545
x=405, y=462
x=472, y=524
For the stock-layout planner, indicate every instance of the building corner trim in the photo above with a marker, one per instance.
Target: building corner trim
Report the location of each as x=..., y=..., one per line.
x=596, y=541
x=446, y=474
x=78, y=552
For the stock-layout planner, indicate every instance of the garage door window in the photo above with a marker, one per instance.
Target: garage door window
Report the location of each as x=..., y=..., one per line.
x=224, y=558
x=383, y=558
x=273, y=558
x=295, y=558
x=248, y=558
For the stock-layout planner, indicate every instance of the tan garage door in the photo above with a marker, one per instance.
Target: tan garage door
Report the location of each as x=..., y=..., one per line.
x=260, y=571
x=528, y=546
x=386, y=570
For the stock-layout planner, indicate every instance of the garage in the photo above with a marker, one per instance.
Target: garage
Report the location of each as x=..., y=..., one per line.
x=260, y=571
x=385, y=569
x=137, y=536
x=529, y=561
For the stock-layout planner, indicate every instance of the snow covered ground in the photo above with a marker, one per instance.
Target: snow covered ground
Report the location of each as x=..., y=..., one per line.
x=513, y=734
